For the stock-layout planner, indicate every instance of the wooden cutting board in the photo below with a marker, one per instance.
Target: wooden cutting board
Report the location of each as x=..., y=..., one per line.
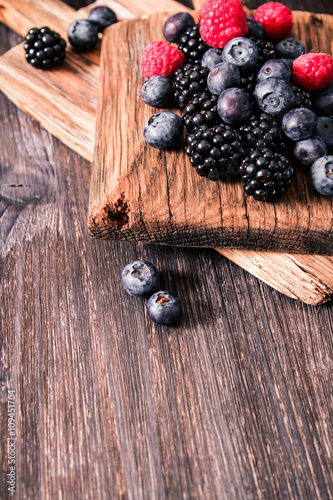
x=65, y=102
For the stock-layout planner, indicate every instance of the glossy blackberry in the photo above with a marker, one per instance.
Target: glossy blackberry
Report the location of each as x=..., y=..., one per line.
x=248, y=82
x=266, y=174
x=44, y=48
x=190, y=80
x=266, y=50
x=201, y=110
x=303, y=98
x=263, y=131
x=215, y=152
x=192, y=45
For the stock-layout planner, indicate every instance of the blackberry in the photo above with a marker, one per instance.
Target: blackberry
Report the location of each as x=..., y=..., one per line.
x=44, y=48
x=192, y=45
x=201, y=110
x=266, y=174
x=263, y=131
x=215, y=152
x=266, y=50
x=190, y=80
x=248, y=82
x=303, y=98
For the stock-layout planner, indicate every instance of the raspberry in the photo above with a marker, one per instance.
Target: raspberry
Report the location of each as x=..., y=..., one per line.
x=276, y=18
x=161, y=58
x=313, y=71
x=222, y=20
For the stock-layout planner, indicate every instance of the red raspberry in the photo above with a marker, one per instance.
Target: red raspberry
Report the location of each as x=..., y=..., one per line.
x=276, y=18
x=221, y=20
x=161, y=58
x=312, y=71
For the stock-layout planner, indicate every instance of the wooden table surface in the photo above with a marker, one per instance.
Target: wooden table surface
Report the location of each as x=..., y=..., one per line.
x=234, y=403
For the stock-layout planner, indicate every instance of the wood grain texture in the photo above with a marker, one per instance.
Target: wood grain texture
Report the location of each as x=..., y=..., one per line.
x=72, y=118
x=142, y=194
x=234, y=403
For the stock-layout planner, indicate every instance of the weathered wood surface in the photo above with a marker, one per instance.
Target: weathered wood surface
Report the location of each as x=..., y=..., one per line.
x=235, y=403
x=72, y=90
x=139, y=193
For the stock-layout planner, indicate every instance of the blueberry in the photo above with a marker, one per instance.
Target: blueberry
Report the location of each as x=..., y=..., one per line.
x=164, y=308
x=255, y=29
x=323, y=101
x=176, y=25
x=274, y=96
x=324, y=129
x=140, y=278
x=234, y=105
x=211, y=58
x=309, y=150
x=83, y=34
x=276, y=68
x=321, y=175
x=223, y=76
x=299, y=123
x=290, y=48
x=163, y=130
x=103, y=16
x=242, y=52
x=157, y=91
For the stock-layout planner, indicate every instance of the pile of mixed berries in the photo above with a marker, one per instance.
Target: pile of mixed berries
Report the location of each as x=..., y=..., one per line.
x=252, y=99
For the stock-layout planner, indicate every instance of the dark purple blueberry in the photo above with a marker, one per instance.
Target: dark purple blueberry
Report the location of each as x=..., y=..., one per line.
x=323, y=101
x=140, y=279
x=255, y=29
x=163, y=130
x=291, y=48
x=309, y=150
x=83, y=34
x=274, y=68
x=321, y=175
x=157, y=91
x=176, y=25
x=242, y=52
x=299, y=123
x=211, y=58
x=324, y=129
x=223, y=76
x=103, y=16
x=164, y=308
x=234, y=106
x=274, y=96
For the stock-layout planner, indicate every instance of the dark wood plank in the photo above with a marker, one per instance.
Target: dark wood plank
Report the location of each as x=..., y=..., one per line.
x=235, y=403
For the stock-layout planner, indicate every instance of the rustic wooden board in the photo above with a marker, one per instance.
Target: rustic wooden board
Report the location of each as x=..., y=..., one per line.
x=141, y=194
x=312, y=277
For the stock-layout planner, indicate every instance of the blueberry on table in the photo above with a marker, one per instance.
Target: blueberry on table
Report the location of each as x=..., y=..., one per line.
x=163, y=130
x=157, y=91
x=321, y=175
x=83, y=34
x=323, y=101
x=234, y=106
x=309, y=150
x=274, y=96
x=277, y=68
x=299, y=123
x=290, y=48
x=324, y=129
x=223, y=76
x=103, y=16
x=44, y=48
x=140, y=279
x=164, y=308
x=176, y=25
x=242, y=52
